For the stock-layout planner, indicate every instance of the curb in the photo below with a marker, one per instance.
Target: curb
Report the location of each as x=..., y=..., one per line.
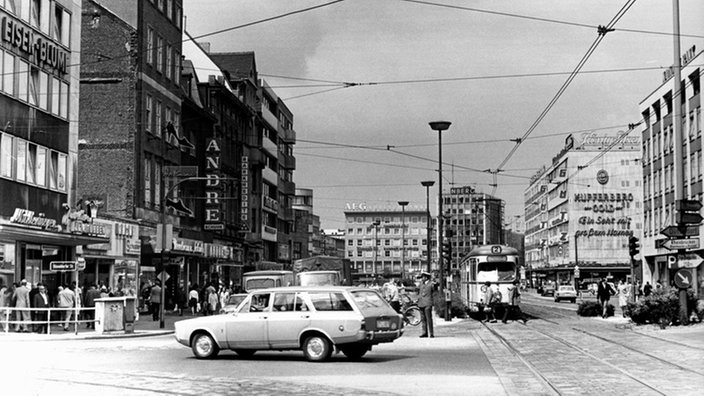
x=43, y=338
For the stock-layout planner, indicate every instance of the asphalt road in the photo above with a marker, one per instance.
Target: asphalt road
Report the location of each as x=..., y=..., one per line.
x=449, y=364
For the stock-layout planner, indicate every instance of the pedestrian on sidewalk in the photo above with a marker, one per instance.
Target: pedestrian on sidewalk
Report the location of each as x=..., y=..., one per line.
x=513, y=307
x=624, y=293
x=181, y=300
x=603, y=294
x=193, y=299
x=41, y=301
x=155, y=299
x=21, y=298
x=425, y=303
x=67, y=301
x=91, y=295
x=489, y=301
x=647, y=289
x=5, y=301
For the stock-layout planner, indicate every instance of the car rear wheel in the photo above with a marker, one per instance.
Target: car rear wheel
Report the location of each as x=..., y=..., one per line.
x=204, y=347
x=245, y=353
x=355, y=351
x=317, y=348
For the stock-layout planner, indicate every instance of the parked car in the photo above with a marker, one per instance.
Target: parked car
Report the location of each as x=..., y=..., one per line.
x=566, y=292
x=548, y=288
x=232, y=302
x=313, y=319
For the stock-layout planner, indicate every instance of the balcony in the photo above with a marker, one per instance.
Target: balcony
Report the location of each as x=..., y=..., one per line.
x=270, y=175
x=270, y=147
x=270, y=204
x=287, y=161
x=287, y=188
x=288, y=135
x=286, y=214
x=270, y=118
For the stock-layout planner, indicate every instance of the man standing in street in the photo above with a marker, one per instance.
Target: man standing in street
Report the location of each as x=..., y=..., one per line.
x=425, y=303
x=155, y=299
x=514, y=299
x=41, y=300
x=91, y=295
x=21, y=297
x=67, y=301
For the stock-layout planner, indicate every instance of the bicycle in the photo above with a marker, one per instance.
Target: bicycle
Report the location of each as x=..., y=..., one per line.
x=410, y=311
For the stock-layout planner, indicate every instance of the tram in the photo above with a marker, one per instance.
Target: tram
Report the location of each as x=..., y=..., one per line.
x=495, y=263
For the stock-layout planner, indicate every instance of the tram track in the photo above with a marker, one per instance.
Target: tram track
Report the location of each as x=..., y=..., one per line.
x=549, y=383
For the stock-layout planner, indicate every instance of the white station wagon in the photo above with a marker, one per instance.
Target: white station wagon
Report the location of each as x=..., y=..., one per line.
x=313, y=319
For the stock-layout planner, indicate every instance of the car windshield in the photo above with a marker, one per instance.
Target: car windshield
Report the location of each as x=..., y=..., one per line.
x=501, y=271
x=566, y=288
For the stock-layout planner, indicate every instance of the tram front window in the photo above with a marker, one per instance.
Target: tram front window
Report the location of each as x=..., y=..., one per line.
x=499, y=272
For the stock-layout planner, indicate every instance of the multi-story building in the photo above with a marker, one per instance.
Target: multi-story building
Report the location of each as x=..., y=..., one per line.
x=40, y=219
x=658, y=170
x=582, y=208
x=333, y=243
x=472, y=219
x=268, y=151
x=377, y=244
x=306, y=229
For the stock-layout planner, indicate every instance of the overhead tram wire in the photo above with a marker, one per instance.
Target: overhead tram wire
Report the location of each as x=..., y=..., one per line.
x=542, y=19
x=601, y=33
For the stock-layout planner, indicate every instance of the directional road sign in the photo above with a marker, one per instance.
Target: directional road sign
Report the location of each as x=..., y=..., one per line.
x=676, y=244
x=688, y=205
x=689, y=260
x=683, y=278
x=680, y=232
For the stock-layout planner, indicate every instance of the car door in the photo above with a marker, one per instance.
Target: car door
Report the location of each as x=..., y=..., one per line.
x=290, y=315
x=247, y=328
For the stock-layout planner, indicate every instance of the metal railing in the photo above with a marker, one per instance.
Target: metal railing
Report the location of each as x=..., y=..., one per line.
x=6, y=313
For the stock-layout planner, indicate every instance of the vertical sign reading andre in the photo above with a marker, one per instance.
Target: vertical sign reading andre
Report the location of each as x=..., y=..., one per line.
x=213, y=187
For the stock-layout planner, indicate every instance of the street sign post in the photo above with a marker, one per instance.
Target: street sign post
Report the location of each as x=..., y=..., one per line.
x=680, y=232
x=689, y=260
x=683, y=278
x=688, y=211
x=677, y=244
x=62, y=265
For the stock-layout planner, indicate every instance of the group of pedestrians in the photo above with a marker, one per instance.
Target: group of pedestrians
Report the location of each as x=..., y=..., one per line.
x=206, y=300
x=492, y=300
x=33, y=306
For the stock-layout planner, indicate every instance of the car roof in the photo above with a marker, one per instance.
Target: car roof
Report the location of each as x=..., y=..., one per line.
x=310, y=288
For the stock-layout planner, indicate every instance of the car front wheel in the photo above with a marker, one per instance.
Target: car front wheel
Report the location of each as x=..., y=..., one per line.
x=317, y=348
x=204, y=347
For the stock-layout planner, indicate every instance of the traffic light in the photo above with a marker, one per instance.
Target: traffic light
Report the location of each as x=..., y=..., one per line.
x=633, y=246
x=688, y=211
x=447, y=252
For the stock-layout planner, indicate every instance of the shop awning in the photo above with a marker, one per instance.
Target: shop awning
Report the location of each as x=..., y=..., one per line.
x=26, y=234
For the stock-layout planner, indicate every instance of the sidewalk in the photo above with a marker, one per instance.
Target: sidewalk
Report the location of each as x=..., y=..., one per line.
x=143, y=327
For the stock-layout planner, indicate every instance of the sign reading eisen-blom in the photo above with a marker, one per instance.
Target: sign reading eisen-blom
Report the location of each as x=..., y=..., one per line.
x=43, y=51
x=213, y=186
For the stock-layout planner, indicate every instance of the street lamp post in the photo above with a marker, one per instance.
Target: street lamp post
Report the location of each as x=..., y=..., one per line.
x=440, y=126
x=376, y=229
x=427, y=185
x=403, y=237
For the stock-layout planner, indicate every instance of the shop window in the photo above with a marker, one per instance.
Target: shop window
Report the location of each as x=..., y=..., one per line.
x=61, y=173
x=23, y=80
x=53, y=169
x=55, y=96
x=150, y=46
x=21, y=155
x=6, y=155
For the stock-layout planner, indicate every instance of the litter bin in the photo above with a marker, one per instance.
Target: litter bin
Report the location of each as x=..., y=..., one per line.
x=114, y=314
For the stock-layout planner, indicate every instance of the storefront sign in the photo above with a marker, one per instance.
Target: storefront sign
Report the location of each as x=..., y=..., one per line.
x=213, y=186
x=218, y=251
x=133, y=247
x=187, y=245
x=28, y=218
x=685, y=59
x=603, y=233
x=78, y=222
x=27, y=41
x=361, y=206
x=244, y=189
x=461, y=190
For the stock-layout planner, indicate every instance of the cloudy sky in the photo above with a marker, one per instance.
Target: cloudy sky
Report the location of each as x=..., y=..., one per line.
x=463, y=61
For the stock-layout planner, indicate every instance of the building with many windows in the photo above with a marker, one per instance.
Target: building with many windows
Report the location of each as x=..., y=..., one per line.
x=383, y=242
x=40, y=219
x=658, y=168
x=582, y=208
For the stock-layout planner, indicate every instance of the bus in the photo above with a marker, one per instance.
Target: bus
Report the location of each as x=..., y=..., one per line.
x=497, y=264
